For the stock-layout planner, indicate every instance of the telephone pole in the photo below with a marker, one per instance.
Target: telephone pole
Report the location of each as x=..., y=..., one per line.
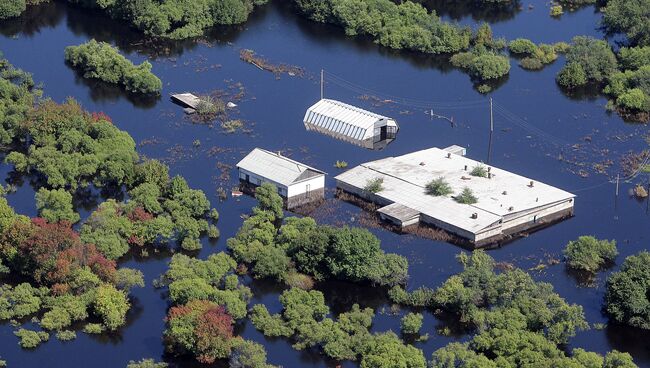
x=491, y=117
x=322, y=82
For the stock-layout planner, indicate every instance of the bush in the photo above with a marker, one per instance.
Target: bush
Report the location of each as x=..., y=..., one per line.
x=629, y=17
x=411, y=323
x=556, y=10
x=626, y=298
x=66, y=335
x=589, y=254
x=490, y=66
x=30, y=339
x=93, y=328
x=374, y=185
x=634, y=100
x=438, y=187
x=479, y=171
x=530, y=63
x=522, y=46
x=146, y=363
x=466, y=197
x=102, y=61
x=572, y=76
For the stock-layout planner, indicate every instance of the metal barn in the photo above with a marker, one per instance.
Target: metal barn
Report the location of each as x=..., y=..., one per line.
x=297, y=183
x=350, y=124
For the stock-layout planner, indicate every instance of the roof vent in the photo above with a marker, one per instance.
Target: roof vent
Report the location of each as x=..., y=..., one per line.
x=474, y=215
x=448, y=154
x=505, y=192
x=422, y=163
x=489, y=175
x=465, y=167
x=511, y=208
x=532, y=184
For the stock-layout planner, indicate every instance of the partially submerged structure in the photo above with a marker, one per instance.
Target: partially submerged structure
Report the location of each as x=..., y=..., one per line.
x=189, y=101
x=351, y=124
x=507, y=204
x=297, y=183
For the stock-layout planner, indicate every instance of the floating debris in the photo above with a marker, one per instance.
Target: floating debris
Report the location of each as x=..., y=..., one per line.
x=251, y=57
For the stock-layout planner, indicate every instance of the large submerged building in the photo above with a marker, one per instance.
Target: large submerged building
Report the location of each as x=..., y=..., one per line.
x=507, y=204
x=350, y=124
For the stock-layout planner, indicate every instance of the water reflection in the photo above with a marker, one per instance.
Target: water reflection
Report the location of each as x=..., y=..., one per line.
x=458, y=9
x=47, y=15
x=101, y=91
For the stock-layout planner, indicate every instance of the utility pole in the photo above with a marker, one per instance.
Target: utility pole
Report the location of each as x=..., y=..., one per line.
x=322, y=82
x=617, y=179
x=491, y=117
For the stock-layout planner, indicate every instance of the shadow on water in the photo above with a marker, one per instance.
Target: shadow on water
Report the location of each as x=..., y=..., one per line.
x=632, y=340
x=35, y=19
x=458, y=9
x=101, y=91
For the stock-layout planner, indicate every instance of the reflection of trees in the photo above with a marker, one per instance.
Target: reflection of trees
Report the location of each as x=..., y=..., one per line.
x=102, y=91
x=458, y=9
x=47, y=15
x=631, y=340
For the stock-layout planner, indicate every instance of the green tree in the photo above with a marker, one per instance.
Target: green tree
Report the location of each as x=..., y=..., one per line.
x=438, y=187
x=269, y=200
x=411, y=323
x=590, y=56
x=111, y=305
x=146, y=363
x=589, y=254
x=629, y=17
x=56, y=205
x=626, y=299
x=12, y=8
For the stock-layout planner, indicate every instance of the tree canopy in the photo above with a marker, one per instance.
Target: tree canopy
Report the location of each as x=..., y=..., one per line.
x=627, y=298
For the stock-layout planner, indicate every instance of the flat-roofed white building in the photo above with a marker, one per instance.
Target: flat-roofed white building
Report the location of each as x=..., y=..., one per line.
x=297, y=183
x=507, y=204
x=350, y=124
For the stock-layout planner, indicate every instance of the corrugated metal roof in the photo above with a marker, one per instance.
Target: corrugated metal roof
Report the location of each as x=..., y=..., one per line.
x=276, y=168
x=343, y=121
x=405, y=177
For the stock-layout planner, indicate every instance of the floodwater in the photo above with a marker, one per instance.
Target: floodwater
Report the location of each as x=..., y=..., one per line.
x=539, y=132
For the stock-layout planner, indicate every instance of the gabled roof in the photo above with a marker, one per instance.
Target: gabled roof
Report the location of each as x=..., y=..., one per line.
x=277, y=168
x=343, y=121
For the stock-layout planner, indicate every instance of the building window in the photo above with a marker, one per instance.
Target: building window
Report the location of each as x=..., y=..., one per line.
x=259, y=181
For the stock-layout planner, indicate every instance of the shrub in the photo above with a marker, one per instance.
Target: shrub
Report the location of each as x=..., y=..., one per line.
x=556, y=10
x=490, y=66
x=411, y=323
x=572, y=76
x=479, y=171
x=626, y=298
x=531, y=63
x=232, y=126
x=146, y=363
x=340, y=164
x=634, y=100
x=93, y=328
x=66, y=335
x=30, y=339
x=374, y=185
x=102, y=61
x=438, y=187
x=522, y=46
x=589, y=254
x=633, y=58
x=466, y=197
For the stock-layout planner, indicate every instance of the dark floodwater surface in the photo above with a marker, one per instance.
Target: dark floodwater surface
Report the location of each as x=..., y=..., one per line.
x=535, y=128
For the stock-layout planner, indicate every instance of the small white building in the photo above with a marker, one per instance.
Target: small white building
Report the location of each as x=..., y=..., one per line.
x=297, y=183
x=350, y=124
x=507, y=204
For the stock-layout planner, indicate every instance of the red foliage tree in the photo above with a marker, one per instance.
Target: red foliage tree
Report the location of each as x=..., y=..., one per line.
x=213, y=333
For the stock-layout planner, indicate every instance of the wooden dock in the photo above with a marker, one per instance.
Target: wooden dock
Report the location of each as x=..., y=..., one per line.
x=187, y=100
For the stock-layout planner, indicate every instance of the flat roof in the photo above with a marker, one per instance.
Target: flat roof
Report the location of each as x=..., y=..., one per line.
x=405, y=177
x=277, y=168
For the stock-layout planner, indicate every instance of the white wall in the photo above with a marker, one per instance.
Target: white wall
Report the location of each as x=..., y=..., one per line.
x=316, y=182
x=258, y=180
